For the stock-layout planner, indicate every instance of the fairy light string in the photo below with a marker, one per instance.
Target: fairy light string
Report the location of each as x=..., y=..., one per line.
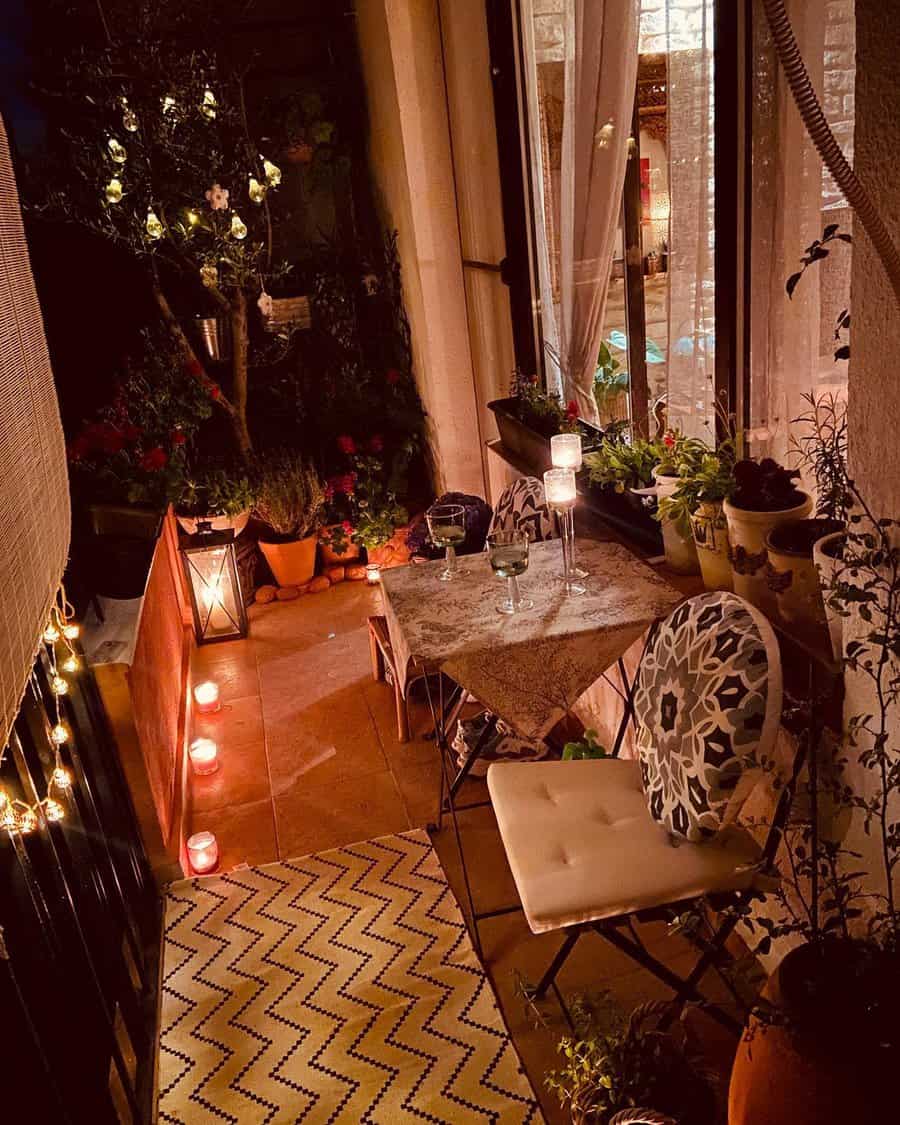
x=18, y=816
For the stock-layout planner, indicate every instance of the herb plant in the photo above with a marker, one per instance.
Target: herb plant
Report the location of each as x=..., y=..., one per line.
x=289, y=497
x=621, y=465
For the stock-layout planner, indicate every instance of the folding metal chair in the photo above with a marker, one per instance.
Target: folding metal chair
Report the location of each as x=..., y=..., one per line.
x=599, y=845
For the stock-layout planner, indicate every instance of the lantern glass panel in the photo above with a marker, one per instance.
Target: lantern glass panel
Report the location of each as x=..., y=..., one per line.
x=216, y=600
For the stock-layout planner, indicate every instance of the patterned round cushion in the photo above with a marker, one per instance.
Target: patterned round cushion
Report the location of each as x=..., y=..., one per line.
x=708, y=698
x=522, y=506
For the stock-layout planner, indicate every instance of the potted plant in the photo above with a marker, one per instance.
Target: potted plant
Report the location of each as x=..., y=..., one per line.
x=218, y=496
x=611, y=385
x=765, y=495
x=530, y=416
x=617, y=471
x=678, y=539
x=289, y=500
x=705, y=481
x=337, y=543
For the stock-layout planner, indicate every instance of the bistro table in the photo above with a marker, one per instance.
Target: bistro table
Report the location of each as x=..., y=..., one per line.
x=529, y=668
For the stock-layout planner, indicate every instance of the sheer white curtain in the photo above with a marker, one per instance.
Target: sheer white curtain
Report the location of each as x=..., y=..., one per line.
x=581, y=66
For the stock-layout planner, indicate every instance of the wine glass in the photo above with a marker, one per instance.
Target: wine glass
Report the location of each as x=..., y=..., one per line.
x=447, y=527
x=508, y=552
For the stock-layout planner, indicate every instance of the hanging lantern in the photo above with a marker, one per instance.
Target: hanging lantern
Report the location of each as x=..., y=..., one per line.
x=210, y=566
x=257, y=191
x=272, y=171
x=114, y=191
x=238, y=227
x=116, y=151
x=129, y=117
x=154, y=227
x=209, y=105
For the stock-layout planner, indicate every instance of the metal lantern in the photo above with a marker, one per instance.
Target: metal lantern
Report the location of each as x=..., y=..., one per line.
x=210, y=566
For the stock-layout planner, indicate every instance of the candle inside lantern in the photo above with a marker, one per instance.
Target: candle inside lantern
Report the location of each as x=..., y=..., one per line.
x=565, y=451
x=559, y=488
x=373, y=574
x=206, y=696
x=204, y=755
x=203, y=852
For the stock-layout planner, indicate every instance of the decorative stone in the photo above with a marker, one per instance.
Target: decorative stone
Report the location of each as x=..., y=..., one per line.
x=287, y=593
x=335, y=574
x=355, y=573
x=319, y=584
x=266, y=594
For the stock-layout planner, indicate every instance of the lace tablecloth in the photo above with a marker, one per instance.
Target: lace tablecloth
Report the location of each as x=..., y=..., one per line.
x=531, y=667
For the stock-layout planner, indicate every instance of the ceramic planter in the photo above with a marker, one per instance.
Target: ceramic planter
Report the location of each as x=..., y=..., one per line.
x=710, y=529
x=293, y=563
x=791, y=571
x=826, y=558
x=331, y=557
x=747, y=532
x=681, y=552
x=218, y=523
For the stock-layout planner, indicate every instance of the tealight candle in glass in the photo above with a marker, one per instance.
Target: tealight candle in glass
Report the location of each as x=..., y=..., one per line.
x=206, y=696
x=560, y=494
x=204, y=755
x=203, y=852
x=565, y=451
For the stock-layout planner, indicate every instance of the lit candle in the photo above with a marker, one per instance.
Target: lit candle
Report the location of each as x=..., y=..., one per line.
x=559, y=488
x=203, y=852
x=565, y=451
x=206, y=696
x=373, y=574
x=204, y=755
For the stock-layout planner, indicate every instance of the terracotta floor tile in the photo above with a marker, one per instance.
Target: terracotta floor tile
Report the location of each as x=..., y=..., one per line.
x=238, y=722
x=301, y=752
x=235, y=673
x=245, y=833
x=313, y=819
x=242, y=777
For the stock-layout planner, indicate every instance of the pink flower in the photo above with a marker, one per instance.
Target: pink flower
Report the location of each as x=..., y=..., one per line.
x=346, y=444
x=376, y=443
x=218, y=197
x=393, y=376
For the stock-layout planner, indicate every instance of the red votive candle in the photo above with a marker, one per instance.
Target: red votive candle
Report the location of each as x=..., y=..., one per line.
x=203, y=852
x=204, y=755
x=206, y=696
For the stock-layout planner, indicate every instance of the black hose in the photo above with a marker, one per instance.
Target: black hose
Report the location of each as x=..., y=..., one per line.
x=827, y=147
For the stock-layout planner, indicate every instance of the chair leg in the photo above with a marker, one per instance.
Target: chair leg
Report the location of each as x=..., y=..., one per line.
x=402, y=713
x=377, y=656
x=562, y=955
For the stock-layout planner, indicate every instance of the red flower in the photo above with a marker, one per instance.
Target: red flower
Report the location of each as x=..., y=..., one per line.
x=346, y=444
x=376, y=443
x=178, y=437
x=393, y=376
x=214, y=391
x=348, y=480
x=347, y=526
x=154, y=460
x=193, y=367
x=572, y=410
x=105, y=437
x=668, y=441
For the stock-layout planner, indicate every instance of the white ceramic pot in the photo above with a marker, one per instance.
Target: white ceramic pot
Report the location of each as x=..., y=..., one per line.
x=681, y=552
x=710, y=530
x=747, y=533
x=826, y=559
x=791, y=572
x=219, y=523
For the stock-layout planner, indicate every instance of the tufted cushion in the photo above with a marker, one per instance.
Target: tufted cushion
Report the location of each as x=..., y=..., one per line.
x=522, y=505
x=582, y=845
x=708, y=704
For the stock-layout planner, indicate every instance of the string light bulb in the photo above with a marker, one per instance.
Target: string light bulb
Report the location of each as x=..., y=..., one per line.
x=59, y=735
x=9, y=818
x=116, y=151
x=129, y=117
x=51, y=634
x=114, y=190
x=59, y=686
x=193, y=218
x=26, y=821
x=71, y=663
x=170, y=107
x=257, y=191
x=209, y=105
x=71, y=631
x=154, y=227
x=238, y=227
x=53, y=810
x=272, y=171
x=209, y=275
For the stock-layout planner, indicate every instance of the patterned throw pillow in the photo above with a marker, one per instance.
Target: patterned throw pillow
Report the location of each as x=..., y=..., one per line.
x=522, y=506
x=709, y=695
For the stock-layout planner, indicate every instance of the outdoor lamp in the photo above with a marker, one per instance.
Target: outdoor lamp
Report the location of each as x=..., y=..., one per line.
x=210, y=566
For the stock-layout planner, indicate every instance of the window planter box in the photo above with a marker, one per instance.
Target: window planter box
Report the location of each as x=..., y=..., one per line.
x=530, y=445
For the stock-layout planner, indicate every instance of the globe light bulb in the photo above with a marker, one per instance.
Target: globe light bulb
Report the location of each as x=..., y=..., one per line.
x=209, y=105
x=4, y=799
x=272, y=171
x=257, y=191
x=59, y=735
x=53, y=810
x=129, y=117
x=61, y=778
x=71, y=663
x=209, y=275
x=116, y=151
x=193, y=218
x=71, y=631
x=27, y=821
x=114, y=191
x=51, y=634
x=9, y=819
x=59, y=686
x=153, y=226
x=238, y=227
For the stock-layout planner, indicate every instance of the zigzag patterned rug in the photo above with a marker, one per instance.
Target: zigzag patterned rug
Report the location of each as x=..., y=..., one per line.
x=341, y=987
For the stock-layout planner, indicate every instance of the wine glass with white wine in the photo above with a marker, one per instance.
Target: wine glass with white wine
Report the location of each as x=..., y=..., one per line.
x=508, y=552
x=447, y=528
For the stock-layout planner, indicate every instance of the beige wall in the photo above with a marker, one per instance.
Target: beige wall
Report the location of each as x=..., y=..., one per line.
x=412, y=163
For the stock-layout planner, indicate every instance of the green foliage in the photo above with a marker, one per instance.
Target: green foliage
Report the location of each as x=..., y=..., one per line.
x=215, y=490
x=817, y=250
x=584, y=749
x=622, y=464
x=610, y=380
x=540, y=409
x=706, y=476
x=289, y=495
x=821, y=447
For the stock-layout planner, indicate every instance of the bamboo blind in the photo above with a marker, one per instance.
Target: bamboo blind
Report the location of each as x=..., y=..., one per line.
x=34, y=489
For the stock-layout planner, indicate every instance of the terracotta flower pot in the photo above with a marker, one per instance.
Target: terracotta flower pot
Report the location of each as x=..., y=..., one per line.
x=826, y=559
x=710, y=530
x=393, y=553
x=791, y=573
x=331, y=557
x=747, y=532
x=293, y=563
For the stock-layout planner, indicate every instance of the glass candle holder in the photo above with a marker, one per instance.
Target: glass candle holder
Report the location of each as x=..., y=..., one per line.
x=373, y=574
x=560, y=494
x=206, y=697
x=204, y=755
x=203, y=852
x=565, y=451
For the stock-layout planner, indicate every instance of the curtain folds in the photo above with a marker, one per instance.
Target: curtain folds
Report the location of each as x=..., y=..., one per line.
x=581, y=68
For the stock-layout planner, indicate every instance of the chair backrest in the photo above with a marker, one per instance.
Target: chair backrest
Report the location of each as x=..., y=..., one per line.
x=522, y=506
x=708, y=705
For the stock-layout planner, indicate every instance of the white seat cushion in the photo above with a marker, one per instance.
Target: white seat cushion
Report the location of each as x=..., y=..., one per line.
x=582, y=844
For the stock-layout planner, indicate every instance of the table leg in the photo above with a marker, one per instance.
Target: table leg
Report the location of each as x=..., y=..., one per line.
x=489, y=727
x=630, y=687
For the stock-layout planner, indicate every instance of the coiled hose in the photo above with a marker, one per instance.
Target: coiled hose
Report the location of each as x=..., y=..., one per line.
x=827, y=147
